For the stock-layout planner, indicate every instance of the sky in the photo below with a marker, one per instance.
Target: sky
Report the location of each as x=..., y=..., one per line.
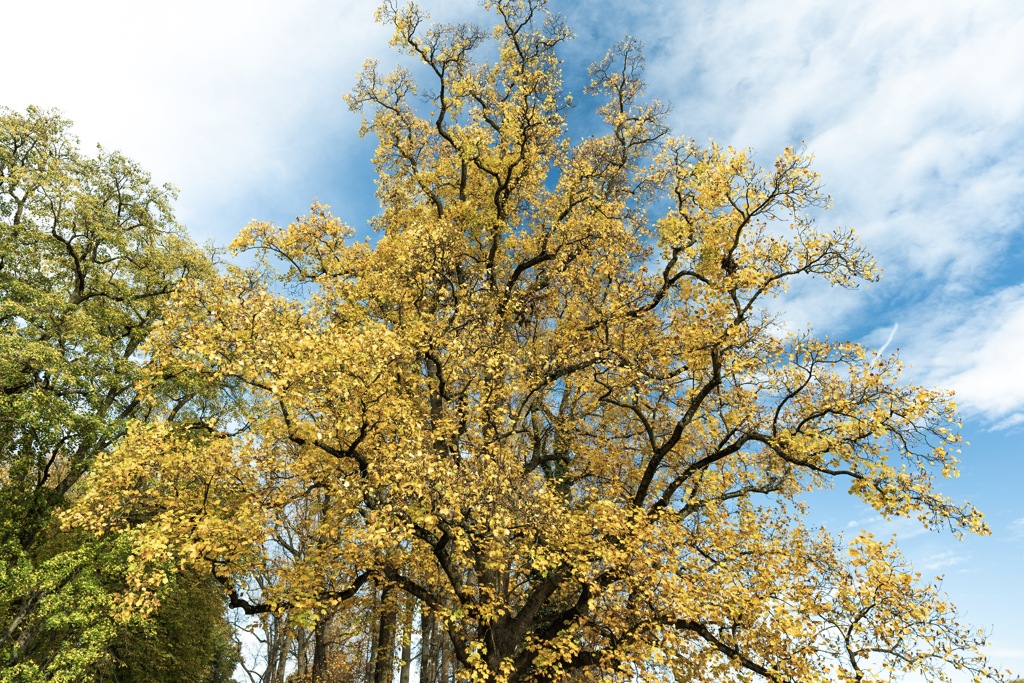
x=914, y=111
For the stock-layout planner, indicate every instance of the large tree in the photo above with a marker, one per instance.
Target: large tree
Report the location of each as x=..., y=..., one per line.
x=89, y=253
x=548, y=403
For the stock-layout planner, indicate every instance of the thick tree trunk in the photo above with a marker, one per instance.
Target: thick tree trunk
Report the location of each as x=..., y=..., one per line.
x=383, y=666
x=319, y=669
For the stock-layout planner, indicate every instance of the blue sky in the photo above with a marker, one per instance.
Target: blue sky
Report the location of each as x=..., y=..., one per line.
x=914, y=110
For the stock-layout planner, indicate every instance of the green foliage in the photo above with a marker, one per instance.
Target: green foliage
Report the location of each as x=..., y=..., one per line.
x=186, y=640
x=61, y=609
x=89, y=252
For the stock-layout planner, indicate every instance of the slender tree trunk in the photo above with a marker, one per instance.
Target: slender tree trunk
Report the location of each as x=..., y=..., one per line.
x=371, y=663
x=407, y=621
x=428, y=648
x=447, y=661
x=278, y=644
x=301, y=659
x=282, y=657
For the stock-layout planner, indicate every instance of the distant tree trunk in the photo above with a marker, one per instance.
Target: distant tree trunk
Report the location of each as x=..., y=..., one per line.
x=383, y=666
x=282, y=660
x=407, y=615
x=428, y=648
x=447, y=661
x=278, y=643
x=301, y=654
x=371, y=664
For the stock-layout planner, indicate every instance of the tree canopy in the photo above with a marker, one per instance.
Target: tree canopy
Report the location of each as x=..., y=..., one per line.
x=549, y=405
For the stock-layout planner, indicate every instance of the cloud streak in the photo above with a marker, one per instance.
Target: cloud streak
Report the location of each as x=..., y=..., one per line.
x=972, y=345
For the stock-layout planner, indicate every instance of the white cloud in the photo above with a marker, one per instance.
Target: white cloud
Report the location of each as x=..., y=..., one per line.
x=225, y=99
x=908, y=106
x=1006, y=652
x=973, y=346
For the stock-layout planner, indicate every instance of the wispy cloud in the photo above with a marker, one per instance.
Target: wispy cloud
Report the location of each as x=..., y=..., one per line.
x=916, y=133
x=861, y=523
x=901, y=527
x=972, y=344
x=941, y=560
x=888, y=340
x=905, y=104
x=1016, y=530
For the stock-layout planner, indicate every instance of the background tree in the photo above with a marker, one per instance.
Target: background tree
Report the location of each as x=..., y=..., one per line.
x=548, y=403
x=89, y=253
x=187, y=639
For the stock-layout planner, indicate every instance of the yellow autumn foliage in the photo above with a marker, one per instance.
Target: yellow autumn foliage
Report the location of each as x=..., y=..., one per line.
x=547, y=402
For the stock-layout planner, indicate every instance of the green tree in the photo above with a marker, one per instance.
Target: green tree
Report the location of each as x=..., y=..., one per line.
x=186, y=639
x=89, y=253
